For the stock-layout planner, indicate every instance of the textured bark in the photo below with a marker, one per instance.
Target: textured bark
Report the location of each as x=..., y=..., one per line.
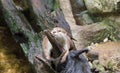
x=104, y=6
x=24, y=29
x=37, y=14
x=21, y=30
x=42, y=66
x=43, y=17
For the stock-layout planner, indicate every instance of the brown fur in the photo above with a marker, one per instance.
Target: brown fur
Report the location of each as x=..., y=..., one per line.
x=62, y=37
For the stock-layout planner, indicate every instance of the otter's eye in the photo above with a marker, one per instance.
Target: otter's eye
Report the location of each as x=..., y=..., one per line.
x=59, y=30
x=54, y=32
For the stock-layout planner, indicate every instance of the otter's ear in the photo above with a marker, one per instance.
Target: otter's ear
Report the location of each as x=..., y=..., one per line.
x=73, y=39
x=70, y=35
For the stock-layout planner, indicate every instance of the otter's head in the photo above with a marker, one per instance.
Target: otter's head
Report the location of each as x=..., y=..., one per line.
x=59, y=34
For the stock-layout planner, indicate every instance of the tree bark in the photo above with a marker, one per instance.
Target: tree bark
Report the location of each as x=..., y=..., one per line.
x=26, y=34
x=21, y=30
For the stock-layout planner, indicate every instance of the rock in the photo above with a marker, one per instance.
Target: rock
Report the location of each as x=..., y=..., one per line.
x=102, y=6
x=84, y=17
x=109, y=52
x=87, y=34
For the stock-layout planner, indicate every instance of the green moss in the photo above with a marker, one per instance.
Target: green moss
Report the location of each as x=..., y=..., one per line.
x=113, y=65
x=13, y=26
x=56, y=5
x=98, y=66
x=111, y=31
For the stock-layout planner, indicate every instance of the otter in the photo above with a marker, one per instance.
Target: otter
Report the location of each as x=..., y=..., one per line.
x=61, y=37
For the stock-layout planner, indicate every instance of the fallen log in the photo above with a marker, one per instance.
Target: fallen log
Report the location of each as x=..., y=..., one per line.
x=76, y=63
x=42, y=66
